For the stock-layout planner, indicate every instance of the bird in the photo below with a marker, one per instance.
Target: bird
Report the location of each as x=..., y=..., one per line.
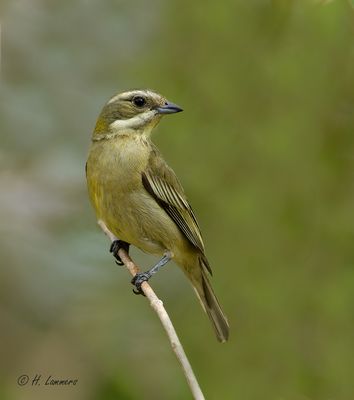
x=140, y=199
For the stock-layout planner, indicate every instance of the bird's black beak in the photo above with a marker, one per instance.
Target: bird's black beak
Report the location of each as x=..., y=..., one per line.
x=169, y=108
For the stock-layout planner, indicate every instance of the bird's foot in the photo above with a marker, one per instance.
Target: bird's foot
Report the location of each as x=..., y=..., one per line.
x=116, y=246
x=138, y=280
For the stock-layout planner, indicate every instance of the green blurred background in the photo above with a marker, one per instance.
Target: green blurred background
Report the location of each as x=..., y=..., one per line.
x=264, y=150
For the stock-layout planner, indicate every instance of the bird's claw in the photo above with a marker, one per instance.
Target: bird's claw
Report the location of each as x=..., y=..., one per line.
x=115, y=247
x=138, y=280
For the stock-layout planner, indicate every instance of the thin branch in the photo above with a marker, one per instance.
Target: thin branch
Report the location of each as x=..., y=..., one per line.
x=158, y=307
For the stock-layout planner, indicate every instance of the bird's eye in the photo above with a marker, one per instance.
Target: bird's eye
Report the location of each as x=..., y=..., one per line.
x=139, y=101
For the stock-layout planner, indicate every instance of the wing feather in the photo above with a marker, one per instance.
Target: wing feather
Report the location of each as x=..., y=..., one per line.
x=161, y=182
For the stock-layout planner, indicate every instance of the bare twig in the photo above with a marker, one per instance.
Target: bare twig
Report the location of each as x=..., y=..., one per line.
x=158, y=307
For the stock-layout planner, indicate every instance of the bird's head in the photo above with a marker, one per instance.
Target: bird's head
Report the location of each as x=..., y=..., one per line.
x=132, y=111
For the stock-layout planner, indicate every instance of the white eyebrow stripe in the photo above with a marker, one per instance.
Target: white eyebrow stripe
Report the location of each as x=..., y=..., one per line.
x=113, y=99
x=126, y=95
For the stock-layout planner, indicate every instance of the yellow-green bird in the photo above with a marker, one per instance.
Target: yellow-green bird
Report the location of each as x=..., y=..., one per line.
x=139, y=198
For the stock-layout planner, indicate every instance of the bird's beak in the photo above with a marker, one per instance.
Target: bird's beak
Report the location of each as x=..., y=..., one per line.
x=168, y=108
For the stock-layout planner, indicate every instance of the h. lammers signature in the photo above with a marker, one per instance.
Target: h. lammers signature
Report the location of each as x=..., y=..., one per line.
x=49, y=381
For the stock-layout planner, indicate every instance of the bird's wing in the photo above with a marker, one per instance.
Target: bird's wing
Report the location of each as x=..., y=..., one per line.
x=162, y=184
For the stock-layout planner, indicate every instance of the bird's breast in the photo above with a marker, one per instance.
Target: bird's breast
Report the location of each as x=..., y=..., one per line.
x=118, y=162
x=114, y=169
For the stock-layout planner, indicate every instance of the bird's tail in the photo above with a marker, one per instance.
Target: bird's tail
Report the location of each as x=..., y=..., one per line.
x=210, y=303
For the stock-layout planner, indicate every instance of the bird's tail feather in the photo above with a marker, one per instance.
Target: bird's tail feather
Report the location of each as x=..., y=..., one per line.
x=211, y=306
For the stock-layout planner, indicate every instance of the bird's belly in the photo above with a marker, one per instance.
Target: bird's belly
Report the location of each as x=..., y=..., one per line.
x=127, y=209
x=136, y=218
